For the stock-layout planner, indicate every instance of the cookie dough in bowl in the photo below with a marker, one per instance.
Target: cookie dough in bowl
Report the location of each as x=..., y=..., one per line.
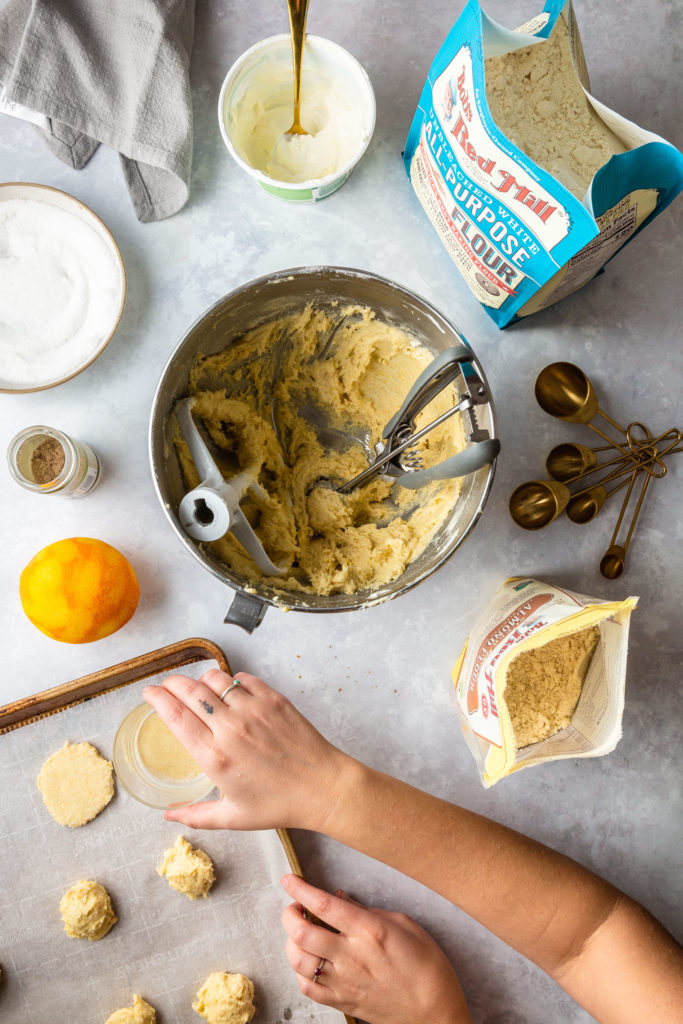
x=303, y=423
x=293, y=379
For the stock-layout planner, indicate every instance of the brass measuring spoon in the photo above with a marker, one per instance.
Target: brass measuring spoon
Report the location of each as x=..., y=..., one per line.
x=583, y=507
x=565, y=392
x=558, y=465
x=298, y=10
x=582, y=461
x=613, y=561
x=569, y=461
x=585, y=504
x=536, y=503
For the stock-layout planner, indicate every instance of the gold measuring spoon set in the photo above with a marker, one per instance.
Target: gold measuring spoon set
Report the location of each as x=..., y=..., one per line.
x=565, y=392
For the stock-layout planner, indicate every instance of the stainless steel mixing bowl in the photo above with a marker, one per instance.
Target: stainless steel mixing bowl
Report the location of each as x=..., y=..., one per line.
x=266, y=299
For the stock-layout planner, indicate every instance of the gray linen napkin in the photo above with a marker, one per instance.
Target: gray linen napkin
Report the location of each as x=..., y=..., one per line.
x=111, y=71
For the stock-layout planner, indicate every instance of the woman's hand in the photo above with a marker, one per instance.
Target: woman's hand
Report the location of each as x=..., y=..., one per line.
x=272, y=767
x=378, y=966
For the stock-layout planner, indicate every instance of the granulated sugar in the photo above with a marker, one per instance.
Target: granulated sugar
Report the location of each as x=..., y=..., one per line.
x=536, y=99
x=60, y=292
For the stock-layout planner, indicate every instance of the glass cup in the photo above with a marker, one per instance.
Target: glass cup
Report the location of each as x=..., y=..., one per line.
x=145, y=780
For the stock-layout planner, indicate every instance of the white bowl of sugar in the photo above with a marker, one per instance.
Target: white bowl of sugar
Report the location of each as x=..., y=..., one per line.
x=62, y=287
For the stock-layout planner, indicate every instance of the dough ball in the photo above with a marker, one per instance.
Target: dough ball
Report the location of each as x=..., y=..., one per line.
x=187, y=869
x=225, y=999
x=77, y=783
x=139, y=1013
x=87, y=911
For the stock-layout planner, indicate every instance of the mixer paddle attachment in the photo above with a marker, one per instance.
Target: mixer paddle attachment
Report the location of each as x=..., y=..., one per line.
x=397, y=456
x=212, y=508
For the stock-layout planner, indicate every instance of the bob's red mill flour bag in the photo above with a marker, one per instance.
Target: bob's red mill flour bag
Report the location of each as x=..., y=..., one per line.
x=531, y=183
x=542, y=677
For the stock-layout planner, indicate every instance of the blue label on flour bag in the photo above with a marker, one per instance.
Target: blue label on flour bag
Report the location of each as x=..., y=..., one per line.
x=518, y=235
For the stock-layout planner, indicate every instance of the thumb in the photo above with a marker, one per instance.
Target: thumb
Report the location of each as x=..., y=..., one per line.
x=208, y=814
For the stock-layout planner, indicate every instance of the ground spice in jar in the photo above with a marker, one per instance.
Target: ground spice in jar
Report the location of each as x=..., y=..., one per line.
x=47, y=461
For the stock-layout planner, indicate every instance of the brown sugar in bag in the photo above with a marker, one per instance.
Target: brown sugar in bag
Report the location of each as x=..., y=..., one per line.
x=542, y=677
x=543, y=686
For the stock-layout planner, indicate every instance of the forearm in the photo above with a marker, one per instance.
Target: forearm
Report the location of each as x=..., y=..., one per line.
x=274, y=769
x=538, y=901
x=609, y=953
x=630, y=970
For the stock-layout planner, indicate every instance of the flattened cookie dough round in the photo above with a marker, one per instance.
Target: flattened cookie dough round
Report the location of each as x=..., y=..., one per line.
x=77, y=783
x=139, y=1013
x=226, y=999
x=187, y=869
x=86, y=911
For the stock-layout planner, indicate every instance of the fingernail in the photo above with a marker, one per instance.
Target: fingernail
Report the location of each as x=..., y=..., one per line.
x=285, y=881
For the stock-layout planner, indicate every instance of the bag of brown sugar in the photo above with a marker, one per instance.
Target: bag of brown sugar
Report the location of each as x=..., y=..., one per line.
x=542, y=677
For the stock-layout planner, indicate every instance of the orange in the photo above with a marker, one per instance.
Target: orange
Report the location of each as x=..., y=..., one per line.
x=79, y=590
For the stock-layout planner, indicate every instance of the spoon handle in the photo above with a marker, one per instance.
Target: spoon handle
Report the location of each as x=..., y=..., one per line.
x=298, y=10
x=613, y=423
x=645, y=486
x=627, y=498
x=613, y=475
x=596, y=468
x=613, y=444
x=650, y=474
x=615, y=489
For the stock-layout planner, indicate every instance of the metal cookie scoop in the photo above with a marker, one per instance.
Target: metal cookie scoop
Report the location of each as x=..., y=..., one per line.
x=396, y=453
x=212, y=508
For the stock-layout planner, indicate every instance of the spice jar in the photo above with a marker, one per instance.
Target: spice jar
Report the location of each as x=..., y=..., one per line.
x=46, y=460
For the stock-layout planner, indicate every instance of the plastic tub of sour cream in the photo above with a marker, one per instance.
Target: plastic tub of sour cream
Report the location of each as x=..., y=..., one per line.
x=255, y=109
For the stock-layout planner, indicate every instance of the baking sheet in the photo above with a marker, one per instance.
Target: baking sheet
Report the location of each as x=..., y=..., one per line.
x=164, y=944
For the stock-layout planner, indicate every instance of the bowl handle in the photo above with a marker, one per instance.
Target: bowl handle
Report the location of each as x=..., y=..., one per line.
x=246, y=611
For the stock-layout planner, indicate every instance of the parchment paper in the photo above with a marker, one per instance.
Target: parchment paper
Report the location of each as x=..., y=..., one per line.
x=164, y=944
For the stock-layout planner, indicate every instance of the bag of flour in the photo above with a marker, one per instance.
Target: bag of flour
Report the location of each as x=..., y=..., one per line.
x=531, y=183
x=542, y=677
